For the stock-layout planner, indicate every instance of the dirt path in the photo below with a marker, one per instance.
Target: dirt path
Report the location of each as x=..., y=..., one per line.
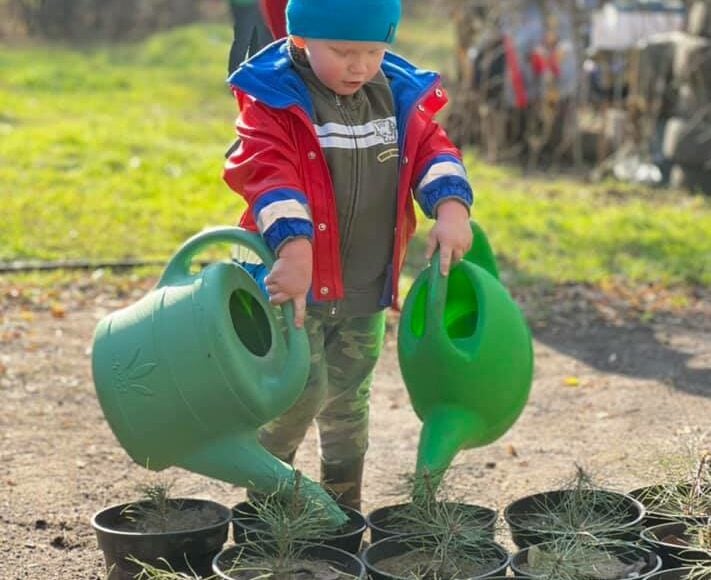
x=610, y=394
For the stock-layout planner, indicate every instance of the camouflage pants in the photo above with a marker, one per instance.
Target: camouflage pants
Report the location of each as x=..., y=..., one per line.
x=337, y=394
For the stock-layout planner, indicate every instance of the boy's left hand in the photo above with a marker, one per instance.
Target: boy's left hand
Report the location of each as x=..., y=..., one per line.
x=451, y=233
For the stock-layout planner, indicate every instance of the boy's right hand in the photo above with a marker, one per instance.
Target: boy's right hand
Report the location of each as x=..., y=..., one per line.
x=290, y=277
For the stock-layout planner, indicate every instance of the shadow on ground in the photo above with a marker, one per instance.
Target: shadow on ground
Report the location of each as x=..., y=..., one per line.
x=655, y=352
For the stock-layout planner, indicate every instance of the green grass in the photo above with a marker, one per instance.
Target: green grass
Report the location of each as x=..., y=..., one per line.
x=569, y=231
x=116, y=152
x=428, y=41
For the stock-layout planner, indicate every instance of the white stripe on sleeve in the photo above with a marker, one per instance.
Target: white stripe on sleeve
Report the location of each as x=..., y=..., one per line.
x=288, y=208
x=442, y=169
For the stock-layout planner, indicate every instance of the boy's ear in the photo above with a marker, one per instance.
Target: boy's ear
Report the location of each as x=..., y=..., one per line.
x=299, y=41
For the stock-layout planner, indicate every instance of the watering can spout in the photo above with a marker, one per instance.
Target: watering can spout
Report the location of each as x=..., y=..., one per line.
x=446, y=430
x=241, y=460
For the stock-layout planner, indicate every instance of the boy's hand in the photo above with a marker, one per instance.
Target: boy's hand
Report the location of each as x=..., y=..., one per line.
x=290, y=278
x=451, y=233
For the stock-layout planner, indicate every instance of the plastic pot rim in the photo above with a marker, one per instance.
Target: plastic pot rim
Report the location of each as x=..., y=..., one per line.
x=225, y=513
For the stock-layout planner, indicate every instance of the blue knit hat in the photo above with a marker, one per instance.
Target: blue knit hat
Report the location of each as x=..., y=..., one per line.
x=362, y=20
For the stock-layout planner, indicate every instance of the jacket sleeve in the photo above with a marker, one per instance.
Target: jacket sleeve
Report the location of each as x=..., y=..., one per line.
x=439, y=173
x=263, y=169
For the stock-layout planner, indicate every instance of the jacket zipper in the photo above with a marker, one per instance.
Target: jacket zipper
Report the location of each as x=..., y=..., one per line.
x=354, y=173
x=346, y=235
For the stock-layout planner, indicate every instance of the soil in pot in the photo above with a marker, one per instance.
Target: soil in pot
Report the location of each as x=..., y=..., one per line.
x=184, y=533
x=302, y=562
x=413, y=519
x=581, y=559
x=597, y=513
x=426, y=558
x=679, y=543
x=246, y=525
x=674, y=502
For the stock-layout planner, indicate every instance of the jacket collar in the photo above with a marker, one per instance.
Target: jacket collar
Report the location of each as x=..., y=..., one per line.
x=258, y=77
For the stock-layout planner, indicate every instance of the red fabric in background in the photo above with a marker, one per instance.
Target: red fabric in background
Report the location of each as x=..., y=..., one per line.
x=516, y=76
x=542, y=62
x=274, y=13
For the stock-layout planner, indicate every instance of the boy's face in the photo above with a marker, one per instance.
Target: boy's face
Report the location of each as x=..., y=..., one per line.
x=345, y=66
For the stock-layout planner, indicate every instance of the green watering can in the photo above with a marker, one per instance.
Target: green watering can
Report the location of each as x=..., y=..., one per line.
x=188, y=374
x=466, y=357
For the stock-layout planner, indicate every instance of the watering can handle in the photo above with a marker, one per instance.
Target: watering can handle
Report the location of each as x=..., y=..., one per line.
x=436, y=296
x=179, y=266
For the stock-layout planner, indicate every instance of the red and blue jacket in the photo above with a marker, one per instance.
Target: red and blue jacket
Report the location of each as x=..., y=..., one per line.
x=280, y=170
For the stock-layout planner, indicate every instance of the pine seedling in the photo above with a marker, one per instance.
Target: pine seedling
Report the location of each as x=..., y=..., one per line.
x=445, y=530
x=699, y=572
x=688, y=489
x=287, y=522
x=582, y=508
x=154, y=511
x=581, y=558
x=151, y=572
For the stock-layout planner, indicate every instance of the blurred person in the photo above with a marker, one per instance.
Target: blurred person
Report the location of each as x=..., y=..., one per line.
x=250, y=32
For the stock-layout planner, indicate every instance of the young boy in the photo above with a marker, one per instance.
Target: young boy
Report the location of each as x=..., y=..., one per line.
x=336, y=135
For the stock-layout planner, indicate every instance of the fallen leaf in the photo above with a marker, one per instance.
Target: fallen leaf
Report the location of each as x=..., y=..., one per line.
x=571, y=381
x=27, y=315
x=58, y=310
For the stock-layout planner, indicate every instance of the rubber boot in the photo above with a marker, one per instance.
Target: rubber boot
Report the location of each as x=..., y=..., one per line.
x=343, y=481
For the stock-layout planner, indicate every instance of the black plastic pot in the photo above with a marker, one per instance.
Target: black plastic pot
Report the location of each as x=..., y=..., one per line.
x=340, y=560
x=674, y=574
x=399, y=545
x=385, y=523
x=660, y=539
x=183, y=550
x=623, y=512
x=246, y=526
x=624, y=551
x=662, y=504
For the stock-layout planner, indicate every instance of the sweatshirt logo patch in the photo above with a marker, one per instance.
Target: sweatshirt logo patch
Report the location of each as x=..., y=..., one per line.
x=386, y=130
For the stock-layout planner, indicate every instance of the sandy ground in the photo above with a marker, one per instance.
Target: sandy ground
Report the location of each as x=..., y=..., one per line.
x=611, y=393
